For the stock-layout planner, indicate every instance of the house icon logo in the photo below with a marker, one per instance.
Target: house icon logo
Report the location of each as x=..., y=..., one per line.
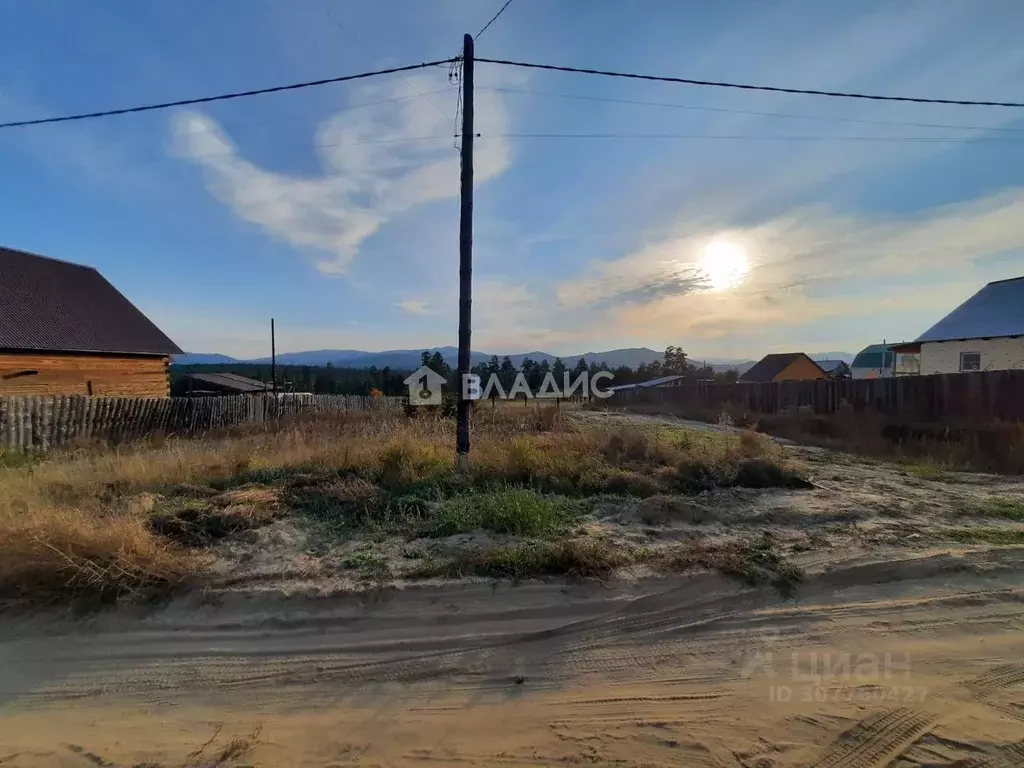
x=424, y=387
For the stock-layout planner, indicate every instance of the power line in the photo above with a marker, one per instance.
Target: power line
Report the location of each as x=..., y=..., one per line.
x=367, y=48
x=221, y=97
x=788, y=115
x=747, y=87
x=743, y=137
x=494, y=18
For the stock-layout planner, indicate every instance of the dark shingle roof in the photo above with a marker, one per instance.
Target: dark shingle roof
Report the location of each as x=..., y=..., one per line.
x=55, y=306
x=831, y=366
x=996, y=310
x=770, y=366
x=231, y=381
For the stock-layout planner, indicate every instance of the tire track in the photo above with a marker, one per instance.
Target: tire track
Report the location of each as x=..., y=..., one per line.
x=998, y=678
x=874, y=741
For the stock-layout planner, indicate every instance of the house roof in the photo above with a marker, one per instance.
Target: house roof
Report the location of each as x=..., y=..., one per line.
x=830, y=366
x=56, y=306
x=996, y=310
x=231, y=381
x=659, y=381
x=770, y=366
x=873, y=356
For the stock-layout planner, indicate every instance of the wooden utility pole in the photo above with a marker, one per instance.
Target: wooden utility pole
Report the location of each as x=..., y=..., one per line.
x=465, y=258
x=273, y=362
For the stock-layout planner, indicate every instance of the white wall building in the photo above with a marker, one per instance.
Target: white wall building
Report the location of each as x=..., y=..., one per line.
x=985, y=333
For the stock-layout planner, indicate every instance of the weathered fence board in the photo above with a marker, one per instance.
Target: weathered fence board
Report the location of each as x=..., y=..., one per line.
x=945, y=398
x=43, y=422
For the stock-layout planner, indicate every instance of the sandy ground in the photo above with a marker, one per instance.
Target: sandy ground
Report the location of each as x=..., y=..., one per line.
x=901, y=648
x=913, y=663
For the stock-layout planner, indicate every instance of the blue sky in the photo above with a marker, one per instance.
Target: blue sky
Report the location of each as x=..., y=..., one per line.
x=330, y=210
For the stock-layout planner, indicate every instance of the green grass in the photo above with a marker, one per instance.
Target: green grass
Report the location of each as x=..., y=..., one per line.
x=994, y=509
x=985, y=535
x=367, y=562
x=516, y=511
x=926, y=470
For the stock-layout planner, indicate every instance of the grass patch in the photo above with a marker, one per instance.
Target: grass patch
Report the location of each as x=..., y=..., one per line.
x=994, y=509
x=516, y=511
x=926, y=470
x=751, y=561
x=984, y=535
x=367, y=562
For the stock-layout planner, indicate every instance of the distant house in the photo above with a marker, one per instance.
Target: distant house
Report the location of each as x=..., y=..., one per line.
x=875, y=361
x=64, y=330
x=213, y=384
x=787, y=366
x=836, y=369
x=985, y=333
x=664, y=381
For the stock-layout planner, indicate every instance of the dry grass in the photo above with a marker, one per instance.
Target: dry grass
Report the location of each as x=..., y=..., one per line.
x=105, y=522
x=927, y=449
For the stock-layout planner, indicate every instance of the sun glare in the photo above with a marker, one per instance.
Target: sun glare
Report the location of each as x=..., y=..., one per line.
x=724, y=264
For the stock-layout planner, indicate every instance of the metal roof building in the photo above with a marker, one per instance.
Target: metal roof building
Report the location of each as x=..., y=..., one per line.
x=996, y=311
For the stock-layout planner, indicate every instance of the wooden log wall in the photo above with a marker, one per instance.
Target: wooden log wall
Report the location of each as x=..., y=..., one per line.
x=40, y=423
x=943, y=399
x=40, y=373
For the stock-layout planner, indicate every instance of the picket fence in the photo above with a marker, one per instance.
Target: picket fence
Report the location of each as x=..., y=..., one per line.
x=45, y=422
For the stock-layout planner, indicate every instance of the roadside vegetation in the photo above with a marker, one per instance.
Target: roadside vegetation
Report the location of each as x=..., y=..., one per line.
x=103, y=522
x=926, y=451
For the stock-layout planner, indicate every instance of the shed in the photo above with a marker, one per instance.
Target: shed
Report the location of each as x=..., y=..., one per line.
x=65, y=330
x=836, y=369
x=222, y=384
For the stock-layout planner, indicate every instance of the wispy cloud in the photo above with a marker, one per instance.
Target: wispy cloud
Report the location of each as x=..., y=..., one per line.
x=378, y=162
x=808, y=264
x=415, y=306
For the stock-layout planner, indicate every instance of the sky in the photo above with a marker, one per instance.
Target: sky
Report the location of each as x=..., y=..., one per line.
x=731, y=223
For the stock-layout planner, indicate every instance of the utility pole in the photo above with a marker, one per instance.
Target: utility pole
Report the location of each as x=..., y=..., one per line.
x=273, y=362
x=465, y=258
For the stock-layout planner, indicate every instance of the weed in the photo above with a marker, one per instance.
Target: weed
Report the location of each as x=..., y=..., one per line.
x=514, y=511
x=368, y=562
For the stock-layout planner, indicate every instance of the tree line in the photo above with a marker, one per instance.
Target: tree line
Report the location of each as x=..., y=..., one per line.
x=337, y=380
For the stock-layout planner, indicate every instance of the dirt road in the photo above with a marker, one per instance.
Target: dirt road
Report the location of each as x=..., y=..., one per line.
x=918, y=663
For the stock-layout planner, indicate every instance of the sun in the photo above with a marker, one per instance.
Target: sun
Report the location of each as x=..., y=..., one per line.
x=724, y=264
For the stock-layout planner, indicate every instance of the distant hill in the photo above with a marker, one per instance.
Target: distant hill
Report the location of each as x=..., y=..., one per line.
x=846, y=357
x=201, y=358
x=409, y=359
x=337, y=357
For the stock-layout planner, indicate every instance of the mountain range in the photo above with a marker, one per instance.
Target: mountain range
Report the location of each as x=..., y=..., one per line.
x=409, y=359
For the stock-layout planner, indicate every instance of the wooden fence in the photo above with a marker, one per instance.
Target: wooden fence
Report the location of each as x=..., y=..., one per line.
x=41, y=423
x=946, y=398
